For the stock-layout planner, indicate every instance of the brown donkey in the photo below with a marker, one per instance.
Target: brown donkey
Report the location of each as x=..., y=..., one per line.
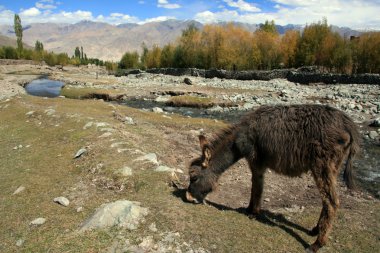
x=290, y=140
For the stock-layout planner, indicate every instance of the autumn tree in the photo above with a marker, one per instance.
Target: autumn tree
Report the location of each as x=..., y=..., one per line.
x=18, y=31
x=366, y=53
x=309, y=48
x=187, y=52
x=335, y=54
x=289, y=43
x=153, y=57
x=212, y=42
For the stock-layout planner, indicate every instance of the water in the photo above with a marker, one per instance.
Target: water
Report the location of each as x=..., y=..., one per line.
x=230, y=116
x=44, y=88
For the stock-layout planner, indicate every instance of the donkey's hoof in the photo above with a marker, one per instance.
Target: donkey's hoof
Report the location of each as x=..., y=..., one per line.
x=314, y=231
x=313, y=248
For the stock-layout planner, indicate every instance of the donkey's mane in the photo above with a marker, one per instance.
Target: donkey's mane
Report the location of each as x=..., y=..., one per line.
x=223, y=137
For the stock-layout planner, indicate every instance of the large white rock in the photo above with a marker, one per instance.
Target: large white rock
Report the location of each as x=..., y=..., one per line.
x=122, y=213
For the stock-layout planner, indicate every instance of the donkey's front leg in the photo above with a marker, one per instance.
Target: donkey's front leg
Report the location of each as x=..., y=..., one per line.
x=256, y=193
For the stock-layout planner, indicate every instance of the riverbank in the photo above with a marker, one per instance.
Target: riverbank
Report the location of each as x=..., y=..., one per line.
x=125, y=153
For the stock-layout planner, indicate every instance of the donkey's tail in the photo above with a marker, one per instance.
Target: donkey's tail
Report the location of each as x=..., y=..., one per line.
x=354, y=148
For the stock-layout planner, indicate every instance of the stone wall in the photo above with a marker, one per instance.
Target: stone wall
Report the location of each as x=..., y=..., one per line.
x=302, y=75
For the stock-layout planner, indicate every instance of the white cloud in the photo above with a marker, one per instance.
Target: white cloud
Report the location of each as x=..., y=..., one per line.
x=6, y=16
x=242, y=5
x=32, y=12
x=349, y=13
x=230, y=15
x=156, y=19
x=165, y=4
x=47, y=4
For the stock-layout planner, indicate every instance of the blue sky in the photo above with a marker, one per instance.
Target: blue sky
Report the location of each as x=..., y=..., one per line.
x=360, y=14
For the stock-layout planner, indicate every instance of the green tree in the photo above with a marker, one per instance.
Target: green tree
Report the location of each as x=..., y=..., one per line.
x=269, y=26
x=77, y=53
x=144, y=54
x=129, y=60
x=10, y=52
x=39, y=47
x=18, y=31
x=167, y=56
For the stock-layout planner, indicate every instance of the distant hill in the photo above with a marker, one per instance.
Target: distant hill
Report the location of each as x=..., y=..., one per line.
x=110, y=42
x=7, y=41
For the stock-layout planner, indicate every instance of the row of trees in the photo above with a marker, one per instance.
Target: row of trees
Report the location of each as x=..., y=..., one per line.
x=234, y=48
x=39, y=54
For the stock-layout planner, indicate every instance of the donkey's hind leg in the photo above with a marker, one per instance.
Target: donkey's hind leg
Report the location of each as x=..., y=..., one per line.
x=326, y=183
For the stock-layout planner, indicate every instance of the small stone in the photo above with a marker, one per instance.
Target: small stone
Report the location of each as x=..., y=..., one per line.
x=187, y=81
x=105, y=135
x=126, y=171
x=62, y=201
x=20, y=242
x=80, y=152
x=49, y=112
x=267, y=200
x=18, y=190
x=153, y=227
x=129, y=121
x=80, y=209
x=29, y=113
x=151, y=157
x=88, y=125
x=375, y=123
x=163, y=168
x=373, y=135
x=157, y=110
x=101, y=124
x=38, y=221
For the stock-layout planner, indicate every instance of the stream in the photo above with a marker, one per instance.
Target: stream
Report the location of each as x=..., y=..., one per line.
x=44, y=88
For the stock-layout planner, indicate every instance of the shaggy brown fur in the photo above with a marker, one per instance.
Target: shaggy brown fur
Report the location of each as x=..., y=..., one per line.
x=290, y=140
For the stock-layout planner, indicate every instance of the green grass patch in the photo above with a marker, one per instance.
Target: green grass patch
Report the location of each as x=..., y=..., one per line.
x=90, y=93
x=190, y=101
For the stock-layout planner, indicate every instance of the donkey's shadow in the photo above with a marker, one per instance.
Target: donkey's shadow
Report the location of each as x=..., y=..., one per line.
x=266, y=217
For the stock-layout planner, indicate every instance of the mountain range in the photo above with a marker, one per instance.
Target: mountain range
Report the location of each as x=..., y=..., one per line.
x=109, y=42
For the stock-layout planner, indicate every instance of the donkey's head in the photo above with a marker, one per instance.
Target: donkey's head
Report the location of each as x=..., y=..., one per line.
x=202, y=179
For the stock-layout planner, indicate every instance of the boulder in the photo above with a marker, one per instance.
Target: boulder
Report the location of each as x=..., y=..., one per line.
x=121, y=213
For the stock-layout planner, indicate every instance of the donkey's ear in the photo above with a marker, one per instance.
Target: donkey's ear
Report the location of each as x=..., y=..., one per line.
x=202, y=141
x=206, y=154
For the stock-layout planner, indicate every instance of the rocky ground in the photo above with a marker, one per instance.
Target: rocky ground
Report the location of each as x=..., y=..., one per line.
x=132, y=164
